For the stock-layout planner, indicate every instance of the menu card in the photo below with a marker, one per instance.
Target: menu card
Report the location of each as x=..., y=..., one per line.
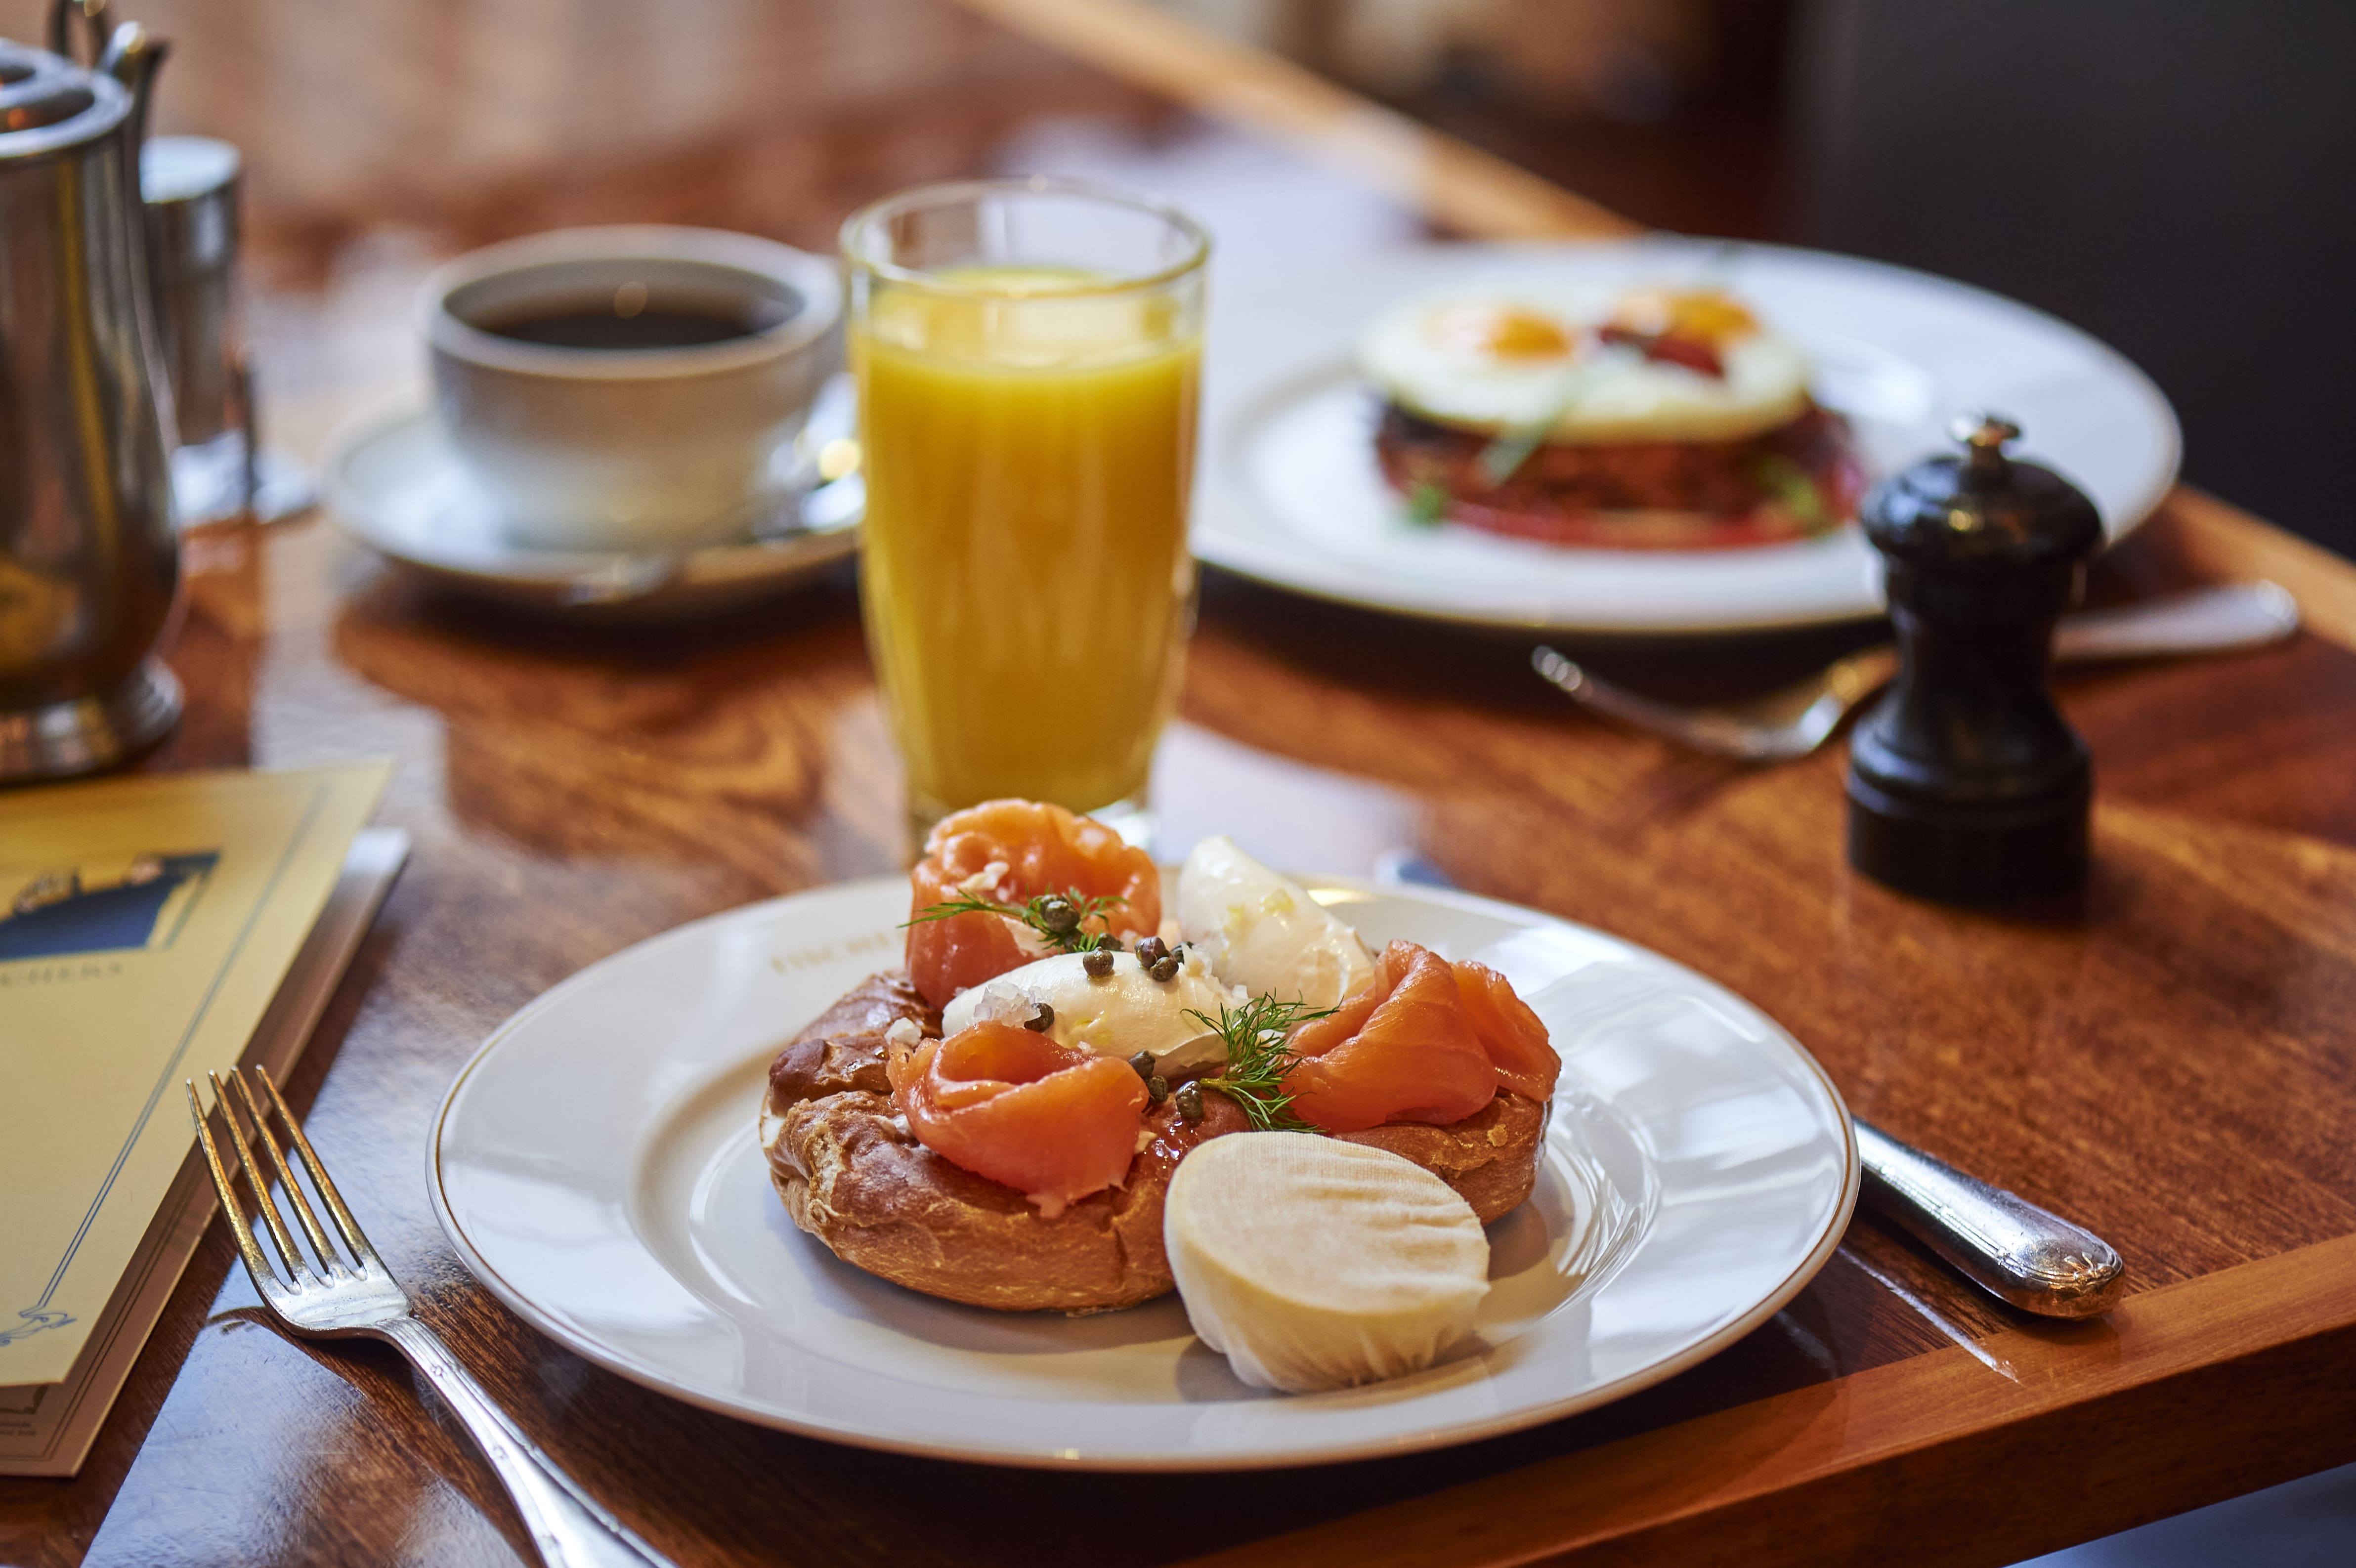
x=146, y=925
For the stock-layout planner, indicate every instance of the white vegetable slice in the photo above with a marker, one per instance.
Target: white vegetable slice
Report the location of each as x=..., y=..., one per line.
x=1263, y=932
x=1314, y=1263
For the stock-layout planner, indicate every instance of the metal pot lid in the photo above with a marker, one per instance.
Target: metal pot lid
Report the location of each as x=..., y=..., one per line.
x=47, y=103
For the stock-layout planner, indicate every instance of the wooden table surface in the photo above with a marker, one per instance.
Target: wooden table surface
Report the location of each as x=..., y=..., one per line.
x=2169, y=1059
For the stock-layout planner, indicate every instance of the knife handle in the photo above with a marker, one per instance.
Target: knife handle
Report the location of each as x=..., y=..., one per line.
x=2035, y=1260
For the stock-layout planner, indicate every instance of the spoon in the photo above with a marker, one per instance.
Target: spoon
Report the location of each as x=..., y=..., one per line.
x=1792, y=723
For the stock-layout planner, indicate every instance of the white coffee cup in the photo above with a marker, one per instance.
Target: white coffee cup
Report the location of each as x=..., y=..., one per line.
x=630, y=448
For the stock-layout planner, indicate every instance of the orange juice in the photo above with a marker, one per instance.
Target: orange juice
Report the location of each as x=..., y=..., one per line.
x=1029, y=441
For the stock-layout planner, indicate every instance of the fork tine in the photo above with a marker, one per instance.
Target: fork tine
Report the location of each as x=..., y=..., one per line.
x=328, y=1259
x=297, y=1269
x=353, y=1236
x=265, y=1277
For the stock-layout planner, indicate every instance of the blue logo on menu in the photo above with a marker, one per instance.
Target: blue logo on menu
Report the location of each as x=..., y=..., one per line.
x=54, y=916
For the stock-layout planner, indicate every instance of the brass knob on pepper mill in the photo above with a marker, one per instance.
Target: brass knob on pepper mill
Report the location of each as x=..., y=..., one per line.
x=1964, y=784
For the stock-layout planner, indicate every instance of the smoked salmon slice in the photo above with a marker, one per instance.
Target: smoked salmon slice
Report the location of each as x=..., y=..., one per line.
x=1052, y=1122
x=1424, y=1040
x=1401, y=1049
x=1039, y=848
x=1512, y=1035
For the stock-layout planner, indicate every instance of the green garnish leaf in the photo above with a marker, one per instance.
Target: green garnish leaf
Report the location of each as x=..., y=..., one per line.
x=1427, y=505
x=1259, y=1058
x=1502, y=458
x=1036, y=913
x=1797, y=491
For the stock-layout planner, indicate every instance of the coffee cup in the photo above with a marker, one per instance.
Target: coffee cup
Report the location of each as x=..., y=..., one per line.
x=630, y=388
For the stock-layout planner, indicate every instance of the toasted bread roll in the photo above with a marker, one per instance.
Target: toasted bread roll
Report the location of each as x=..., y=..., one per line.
x=1491, y=1157
x=853, y=1176
x=844, y=1047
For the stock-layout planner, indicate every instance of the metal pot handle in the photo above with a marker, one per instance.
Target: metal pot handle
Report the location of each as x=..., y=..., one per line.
x=133, y=57
x=93, y=21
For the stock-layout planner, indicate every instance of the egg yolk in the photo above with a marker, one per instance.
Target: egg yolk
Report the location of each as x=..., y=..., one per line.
x=1702, y=316
x=1499, y=332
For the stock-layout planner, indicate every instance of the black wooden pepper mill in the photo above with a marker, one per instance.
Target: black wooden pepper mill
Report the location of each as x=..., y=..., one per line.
x=1965, y=785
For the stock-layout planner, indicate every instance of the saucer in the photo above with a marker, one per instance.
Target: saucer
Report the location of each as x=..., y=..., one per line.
x=394, y=484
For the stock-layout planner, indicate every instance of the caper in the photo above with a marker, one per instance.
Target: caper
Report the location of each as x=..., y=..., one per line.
x=1143, y=1063
x=1157, y=1088
x=1042, y=1020
x=1165, y=967
x=1151, y=950
x=1060, y=915
x=1108, y=942
x=1190, y=1102
x=1099, y=964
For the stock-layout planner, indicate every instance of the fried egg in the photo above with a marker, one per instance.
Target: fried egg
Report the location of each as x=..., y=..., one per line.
x=1572, y=362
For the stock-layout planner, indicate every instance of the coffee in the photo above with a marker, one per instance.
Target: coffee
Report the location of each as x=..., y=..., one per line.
x=652, y=326
x=629, y=389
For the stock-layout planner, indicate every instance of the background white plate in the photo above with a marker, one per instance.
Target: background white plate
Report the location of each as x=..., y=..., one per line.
x=1290, y=494
x=596, y=1164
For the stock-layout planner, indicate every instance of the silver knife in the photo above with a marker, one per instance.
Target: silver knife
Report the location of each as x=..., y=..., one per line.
x=2001, y=1242
x=2017, y=1252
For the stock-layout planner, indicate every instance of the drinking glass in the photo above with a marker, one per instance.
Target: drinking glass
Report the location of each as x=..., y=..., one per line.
x=1028, y=356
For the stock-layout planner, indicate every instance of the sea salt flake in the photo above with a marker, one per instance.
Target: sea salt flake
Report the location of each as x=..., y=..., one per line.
x=984, y=883
x=1004, y=1003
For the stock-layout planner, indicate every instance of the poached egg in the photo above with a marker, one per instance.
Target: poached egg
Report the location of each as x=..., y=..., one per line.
x=1119, y=1014
x=1260, y=930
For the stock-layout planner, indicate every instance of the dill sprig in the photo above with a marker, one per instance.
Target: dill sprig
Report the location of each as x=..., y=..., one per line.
x=1259, y=1056
x=1427, y=505
x=1798, y=489
x=1061, y=919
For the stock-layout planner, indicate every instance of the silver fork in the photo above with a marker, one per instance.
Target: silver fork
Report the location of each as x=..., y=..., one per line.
x=362, y=1299
x=1801, y=717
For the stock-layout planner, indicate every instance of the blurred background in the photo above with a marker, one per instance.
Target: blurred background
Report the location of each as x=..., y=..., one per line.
x=2175, y=176
x=2178, y=176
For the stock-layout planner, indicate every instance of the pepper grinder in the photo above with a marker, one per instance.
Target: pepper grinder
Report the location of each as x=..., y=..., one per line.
x=1964, y=784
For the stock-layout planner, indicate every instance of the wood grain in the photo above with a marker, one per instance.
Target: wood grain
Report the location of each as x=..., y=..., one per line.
x=572, y=793
x=1457, y=185
x=2168, y=1058
x=502, y=116
x=1901, y=1452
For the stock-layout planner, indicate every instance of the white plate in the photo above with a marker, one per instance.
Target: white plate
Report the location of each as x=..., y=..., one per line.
x=394, y=483
x=595, y=1165
x=1290, y=494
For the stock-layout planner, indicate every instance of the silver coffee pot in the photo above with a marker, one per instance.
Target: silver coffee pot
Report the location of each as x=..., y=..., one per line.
x=88, y=559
